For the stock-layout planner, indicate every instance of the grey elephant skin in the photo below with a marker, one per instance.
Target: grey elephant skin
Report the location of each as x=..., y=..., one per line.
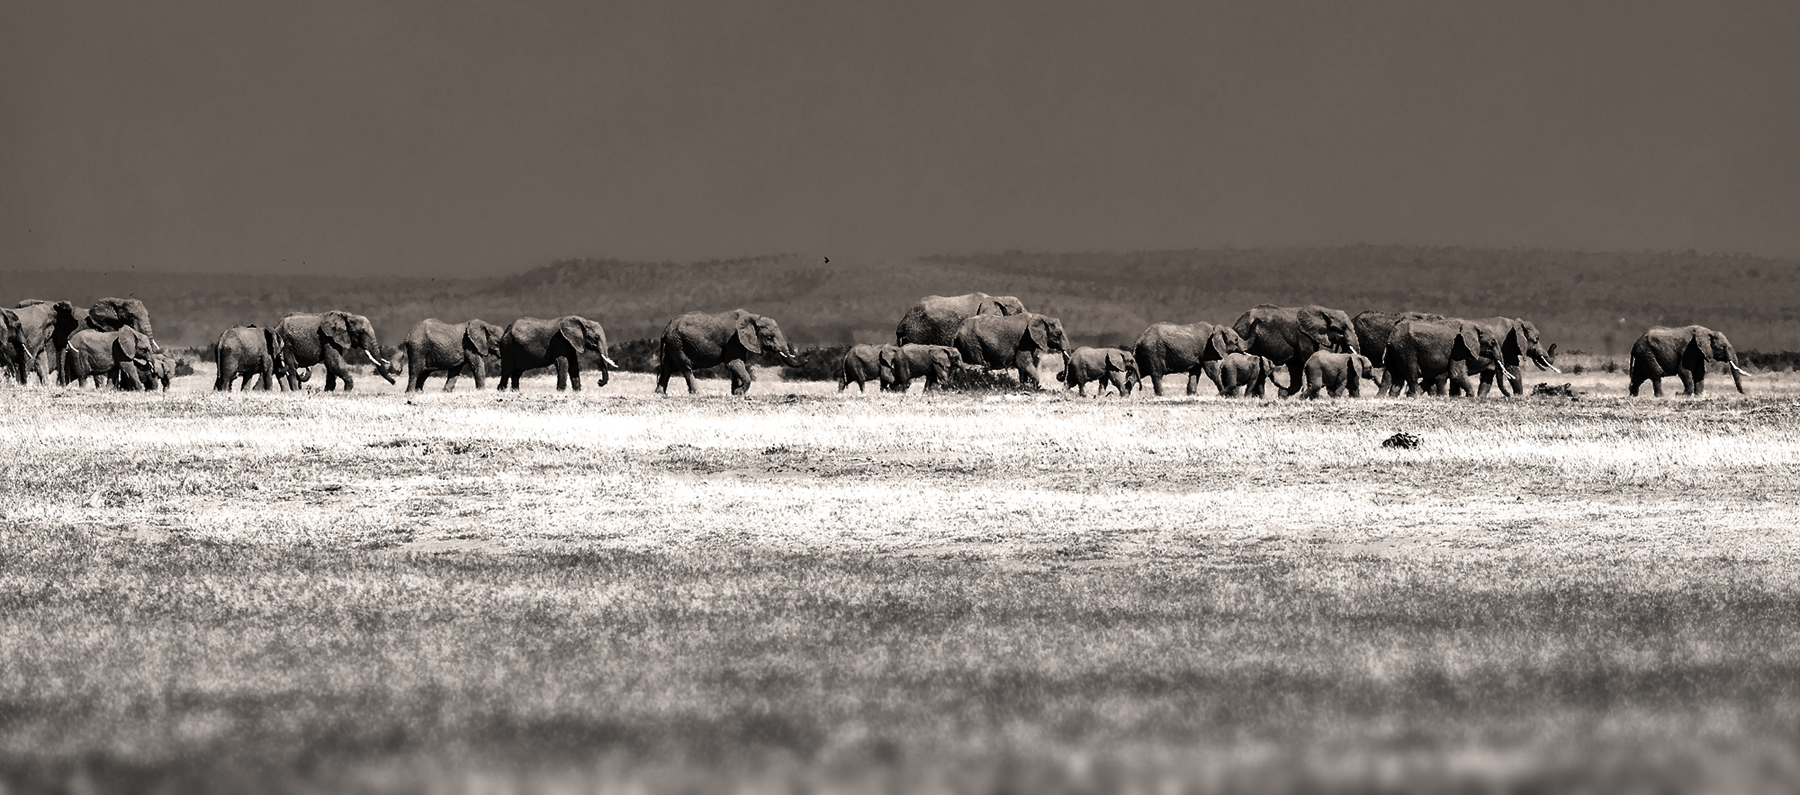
x=1168, y=348
x=12, y=347
x=1682, y=352
x=900, y=364
x=935, y=318
x=862, y=364
x=1242, y=371
x=1100, y=366
x=112, y=314
x=1336, y=374
x=245, y=352
x=159, y=373
x=115, y=356
x=435, y=346
x=698, y=340
x=1289, y=335
x=531, y=342
x=44, y=329
x=327, y=338
x=995, y=342
x=1520, y=342
x=1430, y=356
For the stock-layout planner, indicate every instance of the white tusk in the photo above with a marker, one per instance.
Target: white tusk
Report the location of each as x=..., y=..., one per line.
x=1741, y=371
x=1553, y=369
x=609, y=362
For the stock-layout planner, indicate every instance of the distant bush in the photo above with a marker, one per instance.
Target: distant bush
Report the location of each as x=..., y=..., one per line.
x=635, y=356
x=183, y=367
x=1771, y=362
x=821, y=363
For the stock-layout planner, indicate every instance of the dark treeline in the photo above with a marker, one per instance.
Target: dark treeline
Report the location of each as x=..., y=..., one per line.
x=1598, y=302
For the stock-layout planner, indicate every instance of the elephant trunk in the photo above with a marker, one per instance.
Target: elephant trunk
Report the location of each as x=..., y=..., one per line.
x=606, y=366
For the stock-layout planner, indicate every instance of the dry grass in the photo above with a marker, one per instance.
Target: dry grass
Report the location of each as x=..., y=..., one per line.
x=471, y=591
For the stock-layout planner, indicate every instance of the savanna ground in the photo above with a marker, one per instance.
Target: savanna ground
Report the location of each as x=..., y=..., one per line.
x=541, y=592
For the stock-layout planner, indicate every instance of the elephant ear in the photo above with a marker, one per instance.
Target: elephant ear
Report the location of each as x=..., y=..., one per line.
x=1039, y=331
x=271, y=342
x=571, y=329
x=1701, y=339
x=478, y=338
x=1115, y=361
x=1216, y=345
x=746, y=333
x=336, y=327
x=1469, y=338
x=1317, y=326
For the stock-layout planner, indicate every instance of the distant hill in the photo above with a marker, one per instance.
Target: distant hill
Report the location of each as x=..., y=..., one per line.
x=1594, y=301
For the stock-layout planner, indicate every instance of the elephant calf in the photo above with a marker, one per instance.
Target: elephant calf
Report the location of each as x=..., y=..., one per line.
x=106, y=354
x=901, y=364
x=1336, y=374
x=861, y=364
x=1244, y=371
x=1101, y=365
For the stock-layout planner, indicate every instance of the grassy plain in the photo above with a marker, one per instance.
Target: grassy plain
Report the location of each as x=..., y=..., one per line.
x=472, y=592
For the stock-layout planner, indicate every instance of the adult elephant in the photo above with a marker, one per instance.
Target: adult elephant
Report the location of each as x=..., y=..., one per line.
x=1242, y=371
x=1519, y=343
x=1682, y=352
x=1289, y=335
x=112, y=314
x=900, y=364
x=12, y=348
x=862, y=364
x=1102, y=366
x=1423, y=353
x=245, y=352
x=44, y=329
x=112, y=356
x=1166, y=348
x=327, y=337
x=996, y=342
x=696, y=340
x=434, y=346
x=935, y=318
x=1372, y=332
x=529, y=343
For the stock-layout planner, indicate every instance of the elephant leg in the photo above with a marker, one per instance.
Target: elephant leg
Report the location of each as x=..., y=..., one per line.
x=693, y=388
x=1296, y=377
x=1156, y=383
x=335, y=366
x=478, y=371
x=450, y=378
x=575, y=372
x=562, y=374
x=1193, y=384
x=740, y=377
x=662, y=381
x=1699, y=378
x=1487, y=384
x=1687, y=380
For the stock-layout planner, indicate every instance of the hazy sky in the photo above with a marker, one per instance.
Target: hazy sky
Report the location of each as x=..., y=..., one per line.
x=386, y=136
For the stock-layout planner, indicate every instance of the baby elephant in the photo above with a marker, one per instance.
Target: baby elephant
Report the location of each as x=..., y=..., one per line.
x=1103, y=365
x=1241, y=370
x=1336, y=373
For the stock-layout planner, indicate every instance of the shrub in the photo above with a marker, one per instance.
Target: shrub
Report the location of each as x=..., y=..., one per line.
x=821, y=363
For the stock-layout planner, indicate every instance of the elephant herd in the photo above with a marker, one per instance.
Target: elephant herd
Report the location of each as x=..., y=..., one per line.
x=1321, y=351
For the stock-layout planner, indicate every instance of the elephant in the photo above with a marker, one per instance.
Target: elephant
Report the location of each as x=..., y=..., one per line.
x=308, y=339
x=696, y=340
x=935, y=318
x=862, y=363
x=1682, y=352
x=1372, y=332
x=1519, y=342
x=159, y=373
x=115, y=356
x=994, y=342
x=44, y=329
x=1242, y=370
x=529, y=343
x=112, y=314
x=243, y=352
x=1101, y=365
x=12, y=347
x=435, y=345
x=900, y=364
x=1166, y=348
x=1288, y=335
x=1432, y=352
x=1336, y=374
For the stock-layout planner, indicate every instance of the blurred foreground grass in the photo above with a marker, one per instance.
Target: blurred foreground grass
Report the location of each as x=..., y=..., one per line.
x=474, y=593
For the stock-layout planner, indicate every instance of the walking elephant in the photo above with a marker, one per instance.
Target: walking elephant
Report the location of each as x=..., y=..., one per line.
x=935, y=318
x=112, y=314
x=44, y=329
x=1242, y=371
x=1519, y=343
x=435, y=346
x=245, y=352
x=1424, y=353
x=900, y=364
x=109, y=356
x=1682, y=352
x=529, y=343
x=861, y=364
x=308, y=339
x=1337, y=374
x=1102, y=366
x=1166, y=348
x=997, y=342
x=159, y=373
x=1289, y=335
x=697, y=340
x=12, y=347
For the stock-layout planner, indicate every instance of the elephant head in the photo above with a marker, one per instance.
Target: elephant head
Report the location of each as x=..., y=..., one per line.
x=761, y=335
x=583, y=334
x=1045, y=334
x=346, y=331
x=1522, y=343
x=483, y=338
x=1128, y=364
x=1473, y=342
x=1712, y=346
x=1222, y=342
x=112, y=314
x=1329, y=329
